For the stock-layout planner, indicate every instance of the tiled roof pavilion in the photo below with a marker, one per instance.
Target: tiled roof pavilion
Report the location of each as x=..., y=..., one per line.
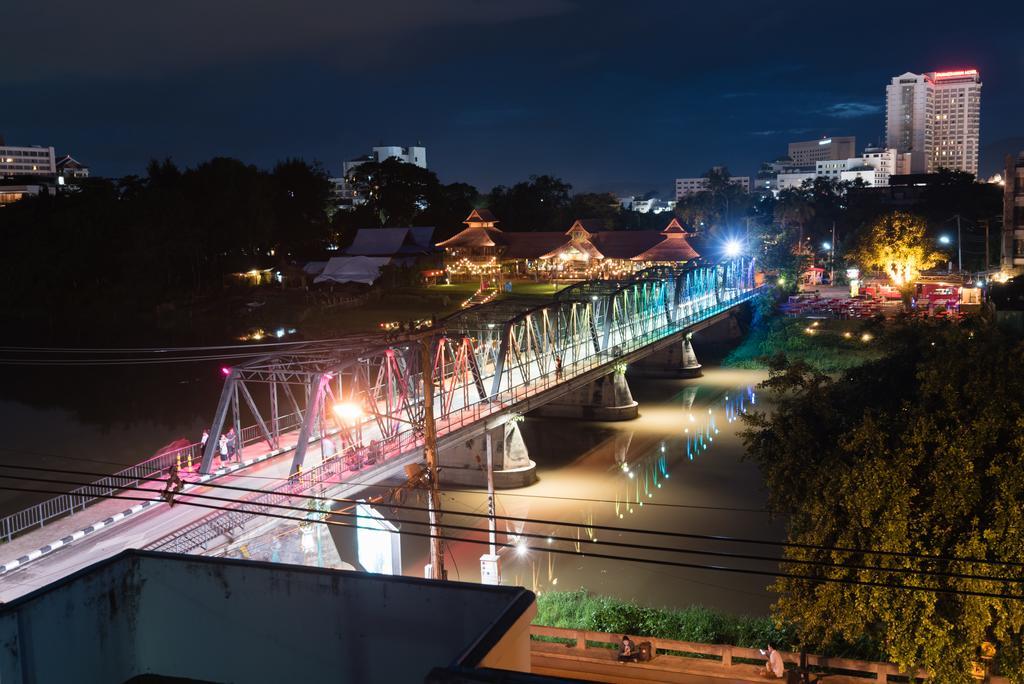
x=583, y=241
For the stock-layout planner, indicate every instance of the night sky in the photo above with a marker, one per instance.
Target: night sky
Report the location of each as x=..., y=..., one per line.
x=609, y=96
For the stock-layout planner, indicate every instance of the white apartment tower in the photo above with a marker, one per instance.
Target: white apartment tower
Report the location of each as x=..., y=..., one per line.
x=936, y=119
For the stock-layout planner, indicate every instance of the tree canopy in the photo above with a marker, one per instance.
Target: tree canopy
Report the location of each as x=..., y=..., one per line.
x=919, y=453
x=172, y=234
x=898, y=245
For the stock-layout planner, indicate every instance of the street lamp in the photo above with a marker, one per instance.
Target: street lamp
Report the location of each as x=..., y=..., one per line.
x=348, y=411
x=733, y=248
x=945, y=239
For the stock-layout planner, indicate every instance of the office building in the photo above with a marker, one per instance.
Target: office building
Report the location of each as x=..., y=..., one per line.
x=343, y=194
x=1012, y=260
x=410, y=155
x=691, y=186
x=935, y=118
x=809, y=152
x=27, y=161
x=650, y=205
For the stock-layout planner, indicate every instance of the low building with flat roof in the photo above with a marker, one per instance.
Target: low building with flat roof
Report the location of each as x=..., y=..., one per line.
x=147, y=616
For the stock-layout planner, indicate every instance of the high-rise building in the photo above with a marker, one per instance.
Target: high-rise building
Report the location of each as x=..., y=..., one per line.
x=345, y=195
x=27, y=161
x=809, y=152
x=1012, y=260
x=936, y=119
x=691, y=186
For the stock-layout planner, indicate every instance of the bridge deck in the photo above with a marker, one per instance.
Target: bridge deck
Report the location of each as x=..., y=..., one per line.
x=140, y=525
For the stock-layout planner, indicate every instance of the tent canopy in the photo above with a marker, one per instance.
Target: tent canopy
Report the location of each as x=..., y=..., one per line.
x=356, y=269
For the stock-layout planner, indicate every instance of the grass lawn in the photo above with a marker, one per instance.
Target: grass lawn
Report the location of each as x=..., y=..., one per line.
x=395, y=304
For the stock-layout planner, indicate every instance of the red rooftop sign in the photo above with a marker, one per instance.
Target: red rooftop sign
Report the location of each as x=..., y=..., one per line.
x=956, y=74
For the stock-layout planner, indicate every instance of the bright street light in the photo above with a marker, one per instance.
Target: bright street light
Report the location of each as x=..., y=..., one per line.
x=944, y=239
x=348, y=411
x=733, y=248
x=826, y=245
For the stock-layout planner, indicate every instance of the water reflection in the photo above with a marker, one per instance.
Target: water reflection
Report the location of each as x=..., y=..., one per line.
x=678, y=467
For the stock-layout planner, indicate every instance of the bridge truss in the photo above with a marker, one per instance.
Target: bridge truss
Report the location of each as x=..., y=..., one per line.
x=368, y=390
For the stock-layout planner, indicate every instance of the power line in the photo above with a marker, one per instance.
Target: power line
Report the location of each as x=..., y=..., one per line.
x=535, y=521
x=163, y=350
x=44, y=454
x=663, y=562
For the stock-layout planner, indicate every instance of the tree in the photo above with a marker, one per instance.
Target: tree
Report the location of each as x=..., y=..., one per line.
x=793, y=210
x=300, y=195
x=395, y=191
x=537, y=204
x=919, y=452
x=593, y=205
x=896, y=244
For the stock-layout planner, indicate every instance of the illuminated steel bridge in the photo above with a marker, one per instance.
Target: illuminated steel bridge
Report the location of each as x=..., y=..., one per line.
x=323, y=411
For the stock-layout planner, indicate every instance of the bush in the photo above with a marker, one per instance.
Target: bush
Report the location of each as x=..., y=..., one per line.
x=580, y=610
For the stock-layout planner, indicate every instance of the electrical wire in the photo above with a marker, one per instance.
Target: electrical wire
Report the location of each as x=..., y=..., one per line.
x=535, y=521
x=653, y=561
x=469, y=490
x=162, y=350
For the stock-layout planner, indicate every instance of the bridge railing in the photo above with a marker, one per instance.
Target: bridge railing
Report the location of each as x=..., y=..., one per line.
x=78, y=499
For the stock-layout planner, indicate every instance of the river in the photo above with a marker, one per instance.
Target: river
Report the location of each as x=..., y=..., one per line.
x=677, y=468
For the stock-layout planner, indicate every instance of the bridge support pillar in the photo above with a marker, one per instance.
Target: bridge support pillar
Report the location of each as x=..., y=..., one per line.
x=607, y=398
x=465, y=463
x=674, y=361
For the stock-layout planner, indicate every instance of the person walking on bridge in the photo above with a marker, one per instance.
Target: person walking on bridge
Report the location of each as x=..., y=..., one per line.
x=222, y=448
x=233, y=445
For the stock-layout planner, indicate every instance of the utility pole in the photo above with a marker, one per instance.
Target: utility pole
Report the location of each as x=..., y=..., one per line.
x=490, y=495
x=490, y=562
x=430, y=456
x=959, y=247
x=832, y=258
x=986, y=249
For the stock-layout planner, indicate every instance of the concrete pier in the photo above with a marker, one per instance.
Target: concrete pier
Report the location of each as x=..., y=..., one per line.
x=607, y=398
x=674, y=361
x=466, y=463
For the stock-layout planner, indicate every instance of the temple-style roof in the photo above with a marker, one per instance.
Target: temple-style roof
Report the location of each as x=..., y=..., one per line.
x=625, y=244
x=583, y=240
x=474, y=236
x=531, y=245
x=392, y=242
x=480, y=216
x=673, y=247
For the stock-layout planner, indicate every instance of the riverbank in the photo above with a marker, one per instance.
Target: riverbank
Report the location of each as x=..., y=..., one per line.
x=585, y=611
x=827, y=345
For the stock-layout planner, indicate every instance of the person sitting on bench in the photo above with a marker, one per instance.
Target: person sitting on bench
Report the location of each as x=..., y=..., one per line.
x=627, y=650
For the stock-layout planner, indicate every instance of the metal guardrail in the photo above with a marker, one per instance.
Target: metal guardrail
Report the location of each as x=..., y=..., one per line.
x=726, y=659
x=213, y=525
x=78, y=499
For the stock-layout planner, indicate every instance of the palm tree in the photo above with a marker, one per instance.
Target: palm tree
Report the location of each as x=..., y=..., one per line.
x=793, y=209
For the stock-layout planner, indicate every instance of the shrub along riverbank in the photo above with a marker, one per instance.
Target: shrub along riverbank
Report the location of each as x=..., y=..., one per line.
x=581, y=610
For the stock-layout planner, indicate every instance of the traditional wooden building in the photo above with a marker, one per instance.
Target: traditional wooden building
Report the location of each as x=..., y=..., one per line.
x=583, y=251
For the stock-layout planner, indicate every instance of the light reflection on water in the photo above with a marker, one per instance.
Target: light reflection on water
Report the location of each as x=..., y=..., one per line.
x=678, y=467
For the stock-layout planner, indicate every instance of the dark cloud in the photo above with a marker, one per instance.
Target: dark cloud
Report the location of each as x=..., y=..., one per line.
x=497, y=90
x=852, y=110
